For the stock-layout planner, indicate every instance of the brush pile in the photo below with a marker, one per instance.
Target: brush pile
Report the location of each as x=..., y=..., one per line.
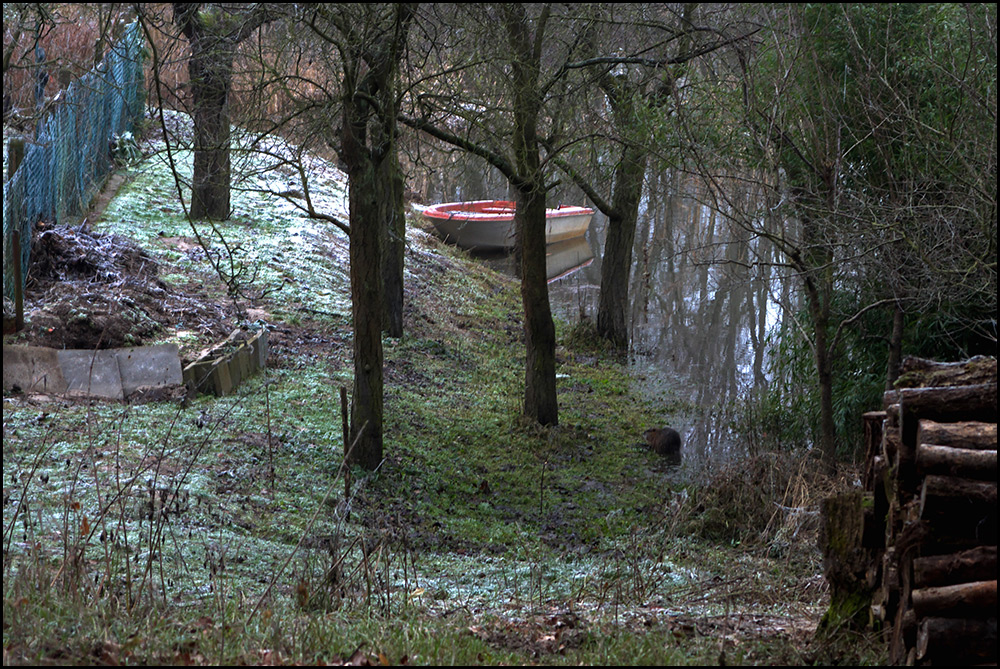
x=88, y=290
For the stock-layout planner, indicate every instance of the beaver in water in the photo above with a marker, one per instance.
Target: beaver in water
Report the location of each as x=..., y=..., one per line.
x=665, y=442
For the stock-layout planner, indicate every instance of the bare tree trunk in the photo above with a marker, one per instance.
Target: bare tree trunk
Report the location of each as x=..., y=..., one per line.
x=210, y=72
x=817, y=276
x=366, y=239
x=368, y=148
x=616, y=265
x=213, y=36
x=824, y=374
x=395, y=243
x=540, y=401
x=895, y=348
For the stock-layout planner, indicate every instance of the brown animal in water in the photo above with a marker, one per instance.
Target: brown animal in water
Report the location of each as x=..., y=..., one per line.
x=665, y=442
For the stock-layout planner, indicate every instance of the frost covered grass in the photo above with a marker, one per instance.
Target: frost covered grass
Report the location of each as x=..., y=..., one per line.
x=220, y=530
x=269, y=247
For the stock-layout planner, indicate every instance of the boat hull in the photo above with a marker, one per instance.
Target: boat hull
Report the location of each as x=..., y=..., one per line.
x=488, y=225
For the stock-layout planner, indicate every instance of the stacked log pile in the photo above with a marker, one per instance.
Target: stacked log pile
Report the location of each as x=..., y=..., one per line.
x=931, y=524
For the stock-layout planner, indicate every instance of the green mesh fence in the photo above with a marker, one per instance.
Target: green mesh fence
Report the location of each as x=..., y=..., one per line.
x=69, y=159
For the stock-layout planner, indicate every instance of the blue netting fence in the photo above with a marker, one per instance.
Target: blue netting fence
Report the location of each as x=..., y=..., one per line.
x=70, y=157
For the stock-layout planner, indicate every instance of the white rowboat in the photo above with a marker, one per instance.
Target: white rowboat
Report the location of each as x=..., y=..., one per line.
x=488, y=225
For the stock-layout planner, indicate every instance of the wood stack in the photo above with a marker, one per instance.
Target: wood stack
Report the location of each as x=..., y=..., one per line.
x=932, y=526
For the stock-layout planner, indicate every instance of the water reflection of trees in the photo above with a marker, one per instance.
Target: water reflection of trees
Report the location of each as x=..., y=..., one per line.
x=704, y=293
x=695, y=314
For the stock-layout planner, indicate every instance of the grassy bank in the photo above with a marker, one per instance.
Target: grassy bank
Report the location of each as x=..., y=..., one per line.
x=220, y=530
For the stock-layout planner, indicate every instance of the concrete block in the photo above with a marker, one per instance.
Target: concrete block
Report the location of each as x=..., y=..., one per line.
x=32, y=369
x=235, y=368
x=111, y=374
x=92, y=373
x=253, y=356
x=149, y=366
